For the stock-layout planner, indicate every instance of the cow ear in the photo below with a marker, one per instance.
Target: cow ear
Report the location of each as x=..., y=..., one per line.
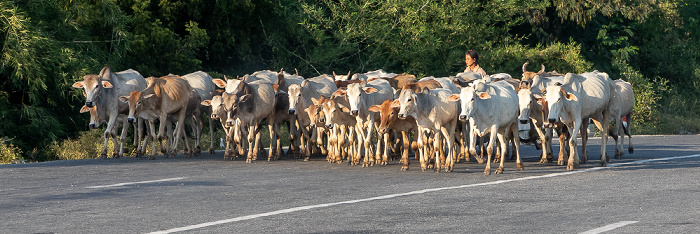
x=78, y=85
x=275, y=88
x=395, y=103
x=244, y=98
x=375, y=108
x=206, y=103
x=369, y=90
x=124, y=99
x=314, y=101
x=569, y=96
x=537, y=96
x=345, y=109
x=84, y=109
x=148, y=96
x=219, y=83
x=483, y=95
x=107, y=85
x=338, y=93
x=453, y=97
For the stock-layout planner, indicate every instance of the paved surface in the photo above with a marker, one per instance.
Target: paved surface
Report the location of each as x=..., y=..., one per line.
x=135, y=195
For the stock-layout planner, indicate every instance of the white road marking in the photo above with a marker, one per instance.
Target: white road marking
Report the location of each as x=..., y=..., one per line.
x=300, y=208
x=140, y=182
x=609, y=227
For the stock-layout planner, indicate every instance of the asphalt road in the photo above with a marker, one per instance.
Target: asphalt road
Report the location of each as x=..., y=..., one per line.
x=654, y=190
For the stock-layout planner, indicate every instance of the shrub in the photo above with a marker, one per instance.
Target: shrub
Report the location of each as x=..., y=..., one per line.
x=9, y=153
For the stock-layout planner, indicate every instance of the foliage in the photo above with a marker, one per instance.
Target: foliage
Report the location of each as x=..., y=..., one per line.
x=87, y=145
x=9, y=153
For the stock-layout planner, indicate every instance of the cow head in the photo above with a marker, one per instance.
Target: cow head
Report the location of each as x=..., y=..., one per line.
x=93, y=85
x=525, y=103
x=468, y=98
x=406, y=102
x=136, y=102
x=341, y=77
x=231, y=85
x=527, y=75
x=95, y=120
x=556, y=97
x=217, y=109
x=294, y=95
x=355, y=99
x=387, y=114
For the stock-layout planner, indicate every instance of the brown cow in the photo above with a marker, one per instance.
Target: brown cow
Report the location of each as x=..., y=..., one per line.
x=398, y=81
x=164, y=96
x=390, y=120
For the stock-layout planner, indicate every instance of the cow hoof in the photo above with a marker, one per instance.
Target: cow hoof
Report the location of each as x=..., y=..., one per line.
x=487, y=171
x=543, y=160
x=306, y=159
x=560, y=162
x=520, y=166
x=499, y=170
x=404, y=168
x=572, y=166
x=152, y=157
x=602, y=163
x=103, y=156
x=248, y=160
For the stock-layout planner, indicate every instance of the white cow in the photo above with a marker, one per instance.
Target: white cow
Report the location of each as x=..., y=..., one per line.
x=432, y=111
x=581, y=97
x=621, y=105
x=491, y=108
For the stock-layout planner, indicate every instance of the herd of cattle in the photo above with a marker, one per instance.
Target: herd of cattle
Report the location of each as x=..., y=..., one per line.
x=362, y=118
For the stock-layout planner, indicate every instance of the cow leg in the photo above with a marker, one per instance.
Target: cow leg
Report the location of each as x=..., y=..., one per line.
x=186, y=143
x=573, y=156
x=502, y=145
x=518, y=163
x=448, y=133
x=271, y=127
x=119, y=151
x=603, y=123
x=489, y=148
x=179, y=130
x=630, y=149
x=404, y=151
x=584, y=139
x=543, y=139
x=252, y=148
x=211, y=135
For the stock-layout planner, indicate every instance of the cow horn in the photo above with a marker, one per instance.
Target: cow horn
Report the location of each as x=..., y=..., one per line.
x=541, y=71
x=525, y=65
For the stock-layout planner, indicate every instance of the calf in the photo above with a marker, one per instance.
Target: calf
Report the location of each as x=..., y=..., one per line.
x=164, y=96
x=389, y=120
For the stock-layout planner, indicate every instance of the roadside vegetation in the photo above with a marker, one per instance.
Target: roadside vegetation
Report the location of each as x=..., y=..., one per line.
x=49, y=44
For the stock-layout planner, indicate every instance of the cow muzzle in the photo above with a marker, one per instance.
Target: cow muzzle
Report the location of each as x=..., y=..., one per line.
x=552, y=120
x=93, y=126
x=89, y=104
x=355, y=112
x=523, y=121
x=214, y=116
x=381, y=130
x=229, y=123
x=402, y=116
x=291, y=112
x=329, y=126
x=131, y=120
x=462, y=117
